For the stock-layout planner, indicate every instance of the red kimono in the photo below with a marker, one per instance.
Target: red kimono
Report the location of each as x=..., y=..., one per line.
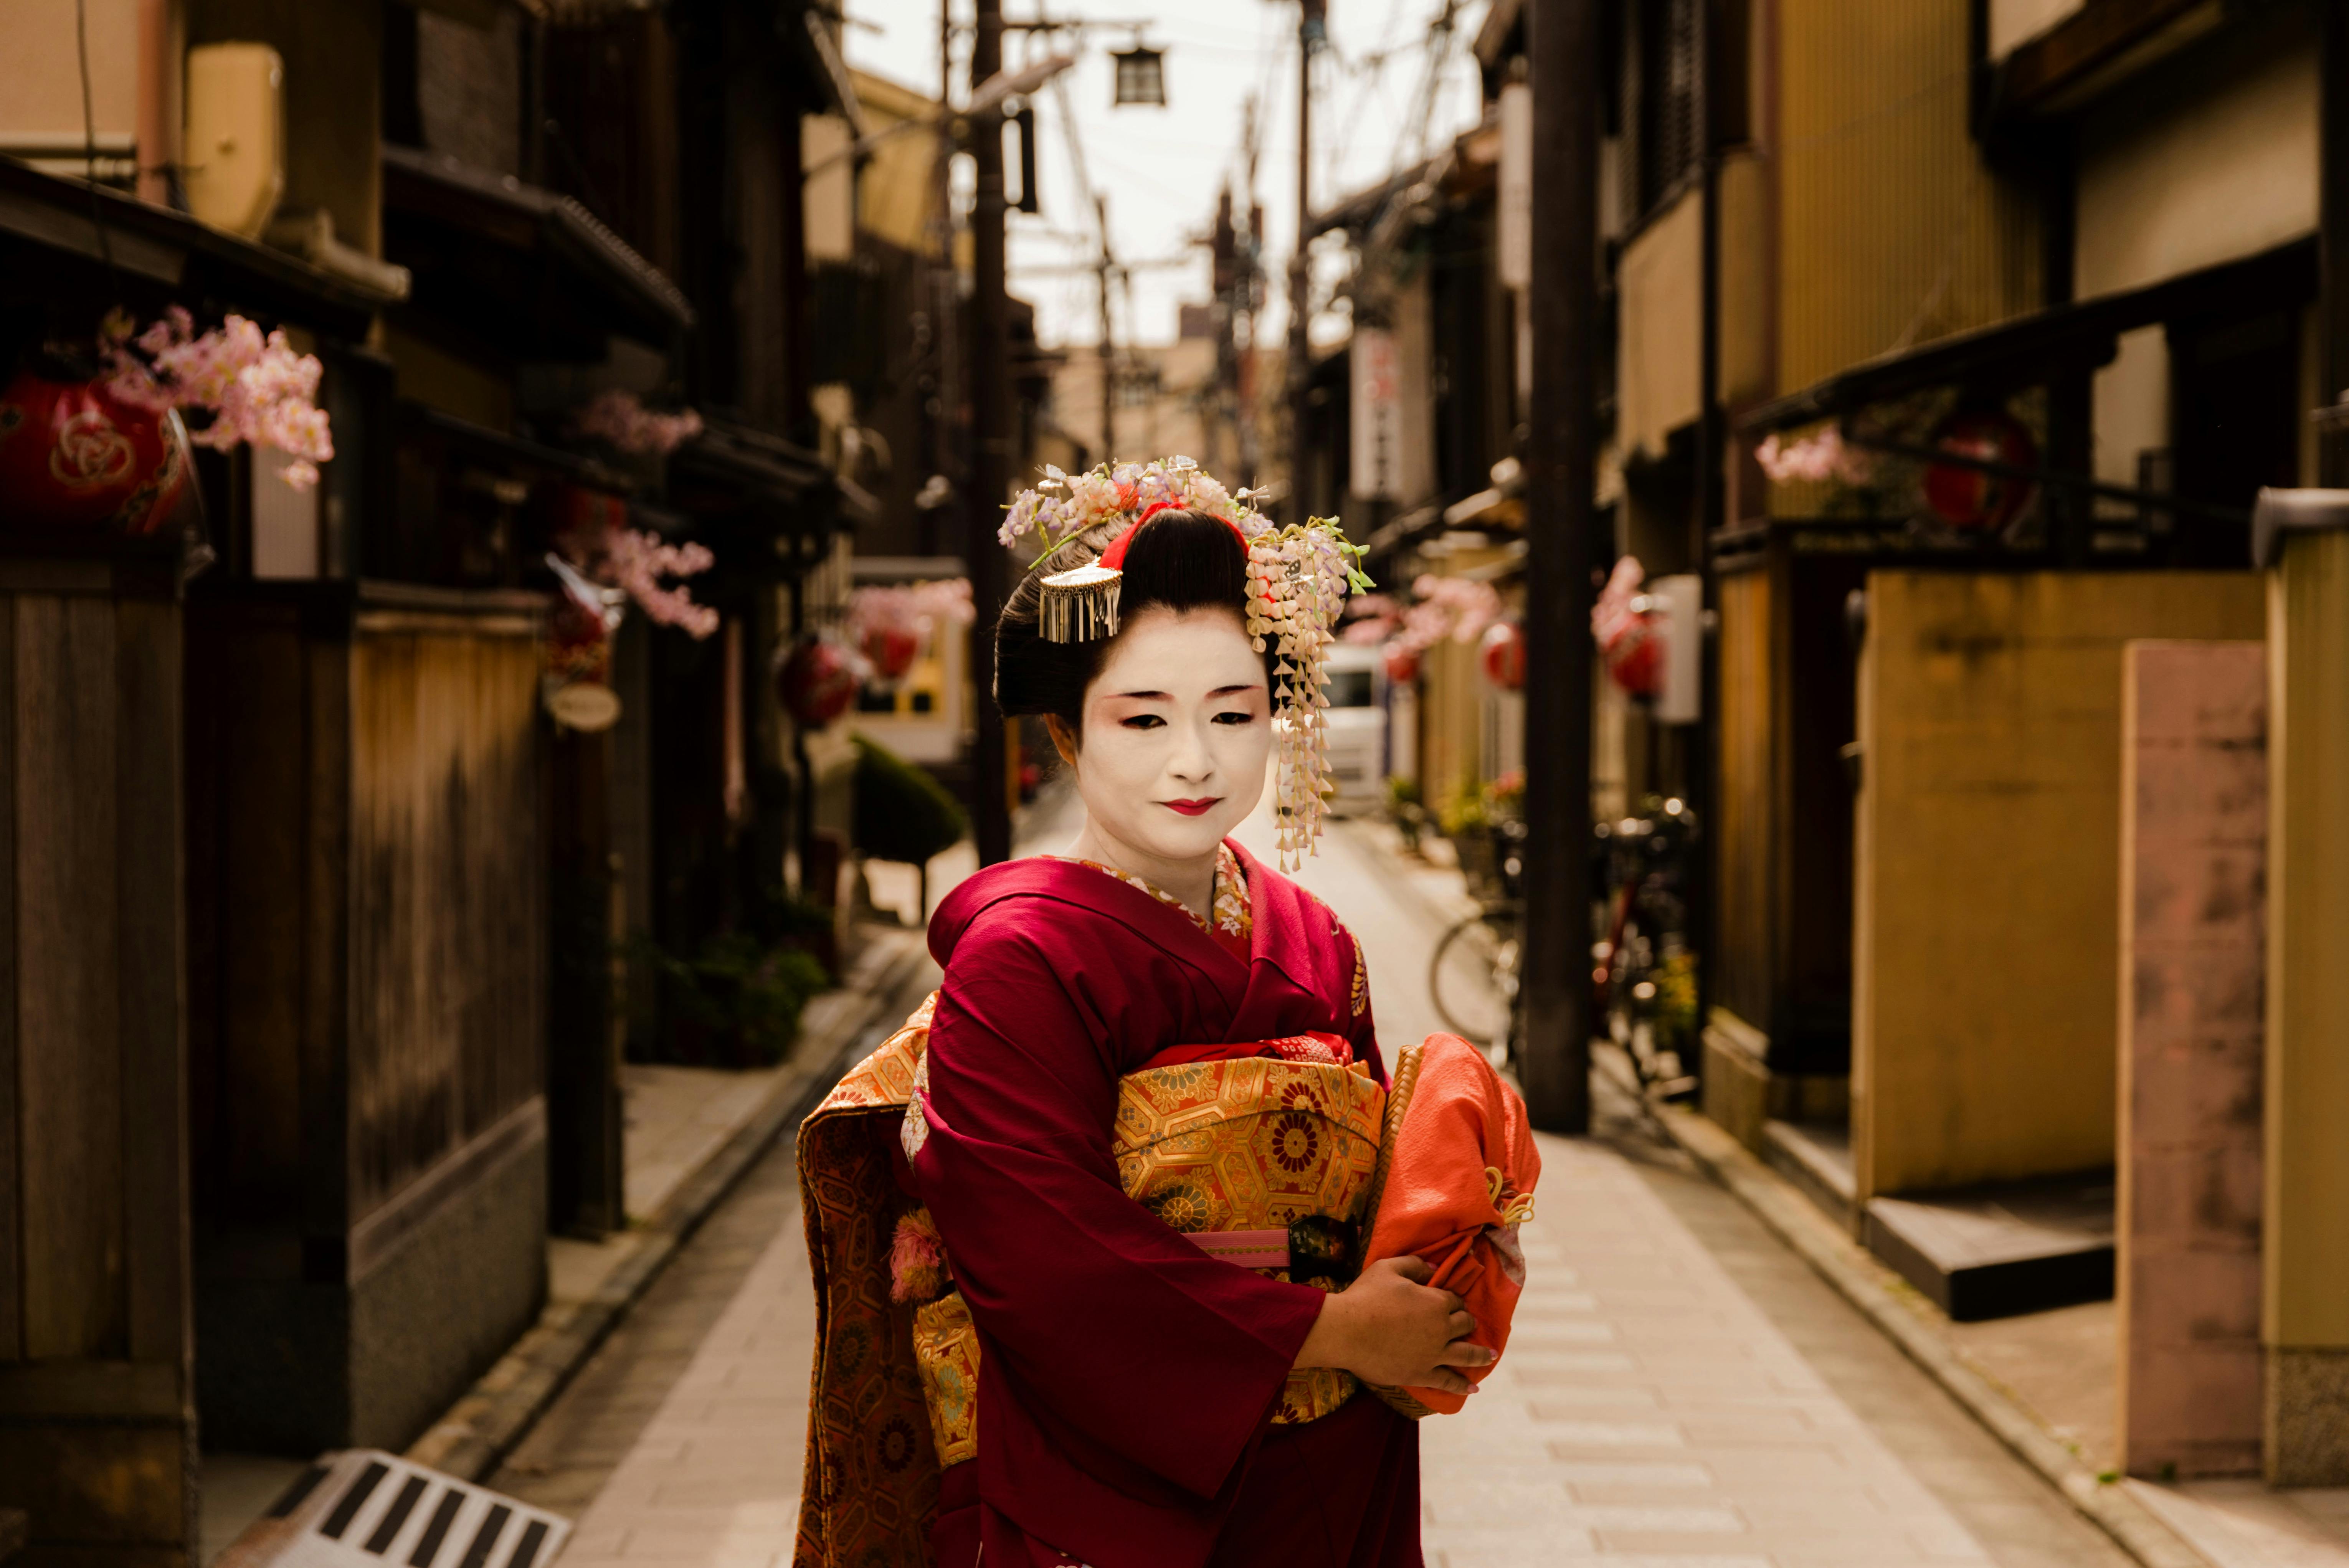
x=1128, y=1378
x=1125, y=1382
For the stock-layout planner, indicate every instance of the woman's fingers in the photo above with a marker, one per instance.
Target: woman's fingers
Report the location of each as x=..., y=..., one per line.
x=1459, y=1325
x=1416, y=1270
x=1446, y=1382
x=1461, y=1353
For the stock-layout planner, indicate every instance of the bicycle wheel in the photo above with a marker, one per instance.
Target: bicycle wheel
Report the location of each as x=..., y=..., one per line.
x=1463, y=979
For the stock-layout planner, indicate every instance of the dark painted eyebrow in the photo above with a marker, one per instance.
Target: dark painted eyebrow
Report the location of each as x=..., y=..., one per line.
x=1165, y=696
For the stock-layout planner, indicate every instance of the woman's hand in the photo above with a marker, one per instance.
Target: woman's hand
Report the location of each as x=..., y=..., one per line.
x=1390, y=1327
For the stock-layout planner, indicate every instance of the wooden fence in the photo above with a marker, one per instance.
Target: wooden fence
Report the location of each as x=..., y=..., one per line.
x=368, y=931
x=96, y=1431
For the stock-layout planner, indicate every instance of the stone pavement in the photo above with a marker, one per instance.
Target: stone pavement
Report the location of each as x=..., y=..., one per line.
x=1648, y=1413
x=1682, y=1392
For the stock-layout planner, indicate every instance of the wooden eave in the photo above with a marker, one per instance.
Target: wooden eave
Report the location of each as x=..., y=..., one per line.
x=2098, y=46
x=187, y=258
x=2026, y=350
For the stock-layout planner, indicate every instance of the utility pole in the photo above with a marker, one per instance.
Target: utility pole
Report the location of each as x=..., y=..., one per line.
x=1105, y=357
x=947, y=389
x=990, y=420
x=1310, y=28
x=1562, y=49
x=1223, y=251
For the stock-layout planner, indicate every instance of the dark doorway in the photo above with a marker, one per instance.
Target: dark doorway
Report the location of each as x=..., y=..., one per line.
x=2236, y=418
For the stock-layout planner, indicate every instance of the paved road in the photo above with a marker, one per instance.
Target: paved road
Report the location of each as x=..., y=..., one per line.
x=1682, y=1392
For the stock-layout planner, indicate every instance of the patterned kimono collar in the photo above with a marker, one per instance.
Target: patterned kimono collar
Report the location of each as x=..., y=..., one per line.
x=1234, y=924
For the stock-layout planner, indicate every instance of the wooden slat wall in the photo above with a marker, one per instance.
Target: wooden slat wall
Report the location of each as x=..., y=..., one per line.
x=67, y=979
x=152, y=981
x=1893, y=232
x=12, y=1288
x=256, y=1133
x=446, y=896
x=95, y=1428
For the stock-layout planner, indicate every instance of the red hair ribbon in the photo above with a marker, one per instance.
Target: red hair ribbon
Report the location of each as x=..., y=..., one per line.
x=1113, y=558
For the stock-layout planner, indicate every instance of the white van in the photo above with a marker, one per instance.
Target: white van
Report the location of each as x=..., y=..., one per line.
x=1357, y=725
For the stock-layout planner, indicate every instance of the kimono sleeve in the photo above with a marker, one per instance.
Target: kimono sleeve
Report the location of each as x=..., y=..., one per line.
x=1109, y=1327
x=1361, y=1029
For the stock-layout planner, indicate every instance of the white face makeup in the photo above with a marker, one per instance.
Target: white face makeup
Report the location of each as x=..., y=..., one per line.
x=1177, y=731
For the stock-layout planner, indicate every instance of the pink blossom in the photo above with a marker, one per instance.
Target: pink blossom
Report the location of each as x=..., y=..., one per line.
x=620, y=418
x=637, y=560
x=1459, y=609
x=1815, y=459
x=918, y=608
x=1613, y=612
x=257, y=388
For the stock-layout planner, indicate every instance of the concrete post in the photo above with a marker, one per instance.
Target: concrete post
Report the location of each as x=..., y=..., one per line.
x=2193, y=856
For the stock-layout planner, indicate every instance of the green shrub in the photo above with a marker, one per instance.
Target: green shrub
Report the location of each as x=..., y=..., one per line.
x=902, y=813
x=1464, y=813
x=784, y=919
x=737, y=1002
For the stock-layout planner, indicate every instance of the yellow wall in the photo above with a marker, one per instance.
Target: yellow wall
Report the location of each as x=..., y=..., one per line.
x=894, y=192
x=2306, y=1251
x=1891, y=231
x=1985, y=932
x=1744, y=370
x=1656, y=356
x=1451, y=722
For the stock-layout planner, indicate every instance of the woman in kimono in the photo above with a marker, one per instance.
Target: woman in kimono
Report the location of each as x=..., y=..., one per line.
x=1141, y=1121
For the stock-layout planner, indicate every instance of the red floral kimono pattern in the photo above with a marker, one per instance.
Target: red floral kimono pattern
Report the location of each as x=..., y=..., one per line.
x=1128, y=1380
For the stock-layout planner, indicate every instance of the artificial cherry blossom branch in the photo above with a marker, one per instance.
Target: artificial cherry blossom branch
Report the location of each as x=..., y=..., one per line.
x=257, y=388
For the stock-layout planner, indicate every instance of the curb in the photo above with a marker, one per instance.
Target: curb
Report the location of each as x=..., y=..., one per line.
x=474, y=1436
x=1877, y=1291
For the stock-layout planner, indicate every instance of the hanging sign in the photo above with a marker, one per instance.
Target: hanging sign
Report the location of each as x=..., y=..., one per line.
x=585, y=705
x=1377, y=457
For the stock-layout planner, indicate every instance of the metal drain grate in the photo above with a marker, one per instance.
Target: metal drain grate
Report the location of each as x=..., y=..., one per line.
x=363, y=1509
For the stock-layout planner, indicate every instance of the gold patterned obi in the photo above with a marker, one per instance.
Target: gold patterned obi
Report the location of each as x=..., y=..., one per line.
x=1242, y=1154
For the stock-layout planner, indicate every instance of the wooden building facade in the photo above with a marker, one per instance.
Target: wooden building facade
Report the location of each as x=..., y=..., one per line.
x=299, y=878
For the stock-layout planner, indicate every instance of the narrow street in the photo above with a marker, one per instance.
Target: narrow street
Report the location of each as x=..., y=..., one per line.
x=1682, y=1392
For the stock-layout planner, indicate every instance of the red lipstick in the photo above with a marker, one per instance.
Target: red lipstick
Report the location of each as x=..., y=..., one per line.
x=1191, y=807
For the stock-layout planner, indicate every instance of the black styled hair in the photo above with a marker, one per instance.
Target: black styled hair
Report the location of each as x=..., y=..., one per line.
x=1182, y=560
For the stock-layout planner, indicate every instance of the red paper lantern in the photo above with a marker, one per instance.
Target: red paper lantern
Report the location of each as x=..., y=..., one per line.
x=891, y=649
x=1504, y=647
x=1635, y=655
x=1403, y=665
x=74, y=455
x=816, y=684
x=1967, y=498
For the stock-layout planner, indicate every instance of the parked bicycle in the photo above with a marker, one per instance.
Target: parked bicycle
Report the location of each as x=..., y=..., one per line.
x=1643, y=973
x=1472, y=977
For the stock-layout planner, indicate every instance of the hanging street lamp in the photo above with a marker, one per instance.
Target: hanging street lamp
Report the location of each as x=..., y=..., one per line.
x=1140, y=75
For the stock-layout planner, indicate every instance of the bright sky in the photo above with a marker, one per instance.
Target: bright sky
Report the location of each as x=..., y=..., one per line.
x=1161, y=168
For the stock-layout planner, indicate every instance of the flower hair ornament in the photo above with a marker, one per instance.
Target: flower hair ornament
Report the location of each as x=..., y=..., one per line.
x=1298, y=577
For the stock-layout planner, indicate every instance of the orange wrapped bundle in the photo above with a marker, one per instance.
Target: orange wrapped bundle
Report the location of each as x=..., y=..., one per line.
x=1456, y=1176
